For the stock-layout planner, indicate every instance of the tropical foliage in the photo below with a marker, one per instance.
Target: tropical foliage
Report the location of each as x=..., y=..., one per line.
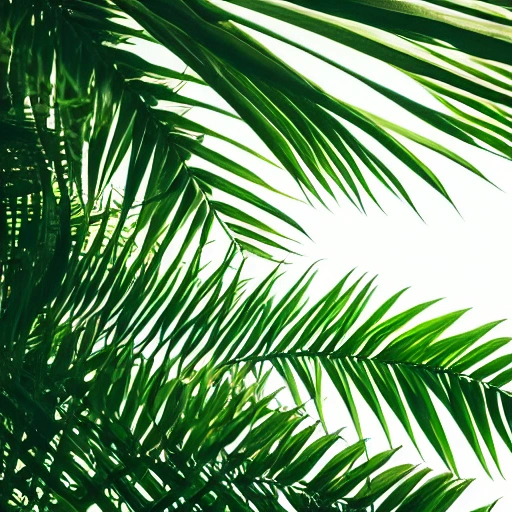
x=133, y=371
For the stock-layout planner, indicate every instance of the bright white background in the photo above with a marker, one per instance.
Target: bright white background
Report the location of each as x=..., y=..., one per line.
x=467, y=260
x=464, y=258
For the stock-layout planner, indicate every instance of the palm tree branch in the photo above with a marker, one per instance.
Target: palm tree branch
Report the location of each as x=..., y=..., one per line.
x=209, y=48
x=370, y=356
x=460, y=125
x=160, y=125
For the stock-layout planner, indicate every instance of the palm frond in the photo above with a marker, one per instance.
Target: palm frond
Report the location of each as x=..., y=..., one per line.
x=116, y=117
x=123, y=417
x=378, y=357
x=295, y=117
x=308, y=130
x=207, y=441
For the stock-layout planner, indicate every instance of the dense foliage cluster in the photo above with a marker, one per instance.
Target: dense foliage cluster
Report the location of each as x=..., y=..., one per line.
x=132, y=377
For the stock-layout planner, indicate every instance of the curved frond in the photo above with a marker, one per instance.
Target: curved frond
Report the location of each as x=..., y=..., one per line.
x=295, y=117
x=115, y=119
x=206, y=440
x=379, y=357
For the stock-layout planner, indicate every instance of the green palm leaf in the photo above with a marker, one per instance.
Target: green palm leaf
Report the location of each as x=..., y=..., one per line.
x=279, y=103
x=370, y=356
x=109, y=99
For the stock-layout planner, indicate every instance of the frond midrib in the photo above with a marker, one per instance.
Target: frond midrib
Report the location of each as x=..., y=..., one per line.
x=358, y=359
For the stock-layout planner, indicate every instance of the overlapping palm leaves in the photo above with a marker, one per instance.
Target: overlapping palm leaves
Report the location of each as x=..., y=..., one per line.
x=127, y=375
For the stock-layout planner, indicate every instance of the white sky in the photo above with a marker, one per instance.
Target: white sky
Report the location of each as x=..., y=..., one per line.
x=465, y=259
